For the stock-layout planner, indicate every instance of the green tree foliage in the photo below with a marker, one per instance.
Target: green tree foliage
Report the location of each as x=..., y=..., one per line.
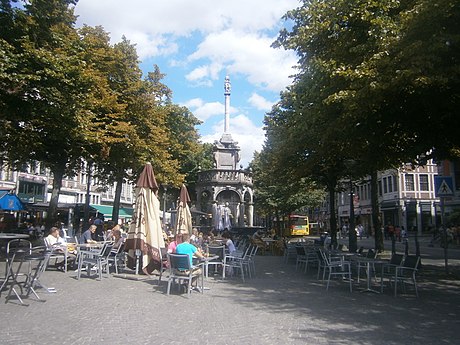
x=68, y=95
x=377, y=85
x=44, y=90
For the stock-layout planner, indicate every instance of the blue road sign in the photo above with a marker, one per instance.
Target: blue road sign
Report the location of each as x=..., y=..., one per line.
x=443, y=186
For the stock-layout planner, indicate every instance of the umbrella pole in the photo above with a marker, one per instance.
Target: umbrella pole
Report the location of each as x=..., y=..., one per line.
x=138, y=255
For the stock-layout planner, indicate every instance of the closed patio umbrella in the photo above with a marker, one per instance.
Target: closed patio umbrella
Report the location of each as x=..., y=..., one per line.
x=184, y=216
x=145, y=235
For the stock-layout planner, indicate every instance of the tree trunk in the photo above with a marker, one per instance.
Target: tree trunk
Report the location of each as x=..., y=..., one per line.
x=376, y=221
x=51, y=218
x=116, y=201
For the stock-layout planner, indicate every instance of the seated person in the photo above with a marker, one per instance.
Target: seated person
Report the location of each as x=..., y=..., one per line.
x=87, y=236
x=118, y=240
x=195, y=238
x=58, y=245
x=257, y=240
x=229, y=242
x=173, y=244
x=186, y=248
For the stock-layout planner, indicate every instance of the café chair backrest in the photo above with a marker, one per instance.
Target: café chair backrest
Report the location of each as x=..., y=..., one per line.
x=396, y=259
x=370, y=254
x=179, y=261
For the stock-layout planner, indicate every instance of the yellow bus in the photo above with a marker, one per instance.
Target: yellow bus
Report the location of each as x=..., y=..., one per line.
x=297, y=225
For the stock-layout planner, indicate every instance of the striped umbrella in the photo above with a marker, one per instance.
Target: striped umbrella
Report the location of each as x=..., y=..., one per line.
x=184, y=216
x=145, y=235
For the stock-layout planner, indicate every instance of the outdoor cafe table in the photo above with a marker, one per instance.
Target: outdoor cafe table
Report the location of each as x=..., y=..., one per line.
x=342, y=255
x=8, y=236
x=203, y=261
x=12, y=236
x=370, y=262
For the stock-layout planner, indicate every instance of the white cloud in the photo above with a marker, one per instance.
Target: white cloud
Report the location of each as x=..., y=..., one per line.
x=182, y=17
x=260, y=102
x=250, y=137
x=204, y=111
x=233, y=34
x=201, y=74
x=249, y=54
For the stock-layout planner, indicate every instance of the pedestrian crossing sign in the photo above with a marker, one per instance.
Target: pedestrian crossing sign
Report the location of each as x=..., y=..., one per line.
x=443, y=186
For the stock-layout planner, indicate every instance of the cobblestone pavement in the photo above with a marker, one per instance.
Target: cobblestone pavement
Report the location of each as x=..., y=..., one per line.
x=277, y=306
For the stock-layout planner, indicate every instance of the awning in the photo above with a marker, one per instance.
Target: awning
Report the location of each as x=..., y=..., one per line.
x=123, y=212
x=10, y=202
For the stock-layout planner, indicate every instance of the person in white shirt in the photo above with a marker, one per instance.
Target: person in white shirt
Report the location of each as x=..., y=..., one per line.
x=57, y=244
x=229, y=242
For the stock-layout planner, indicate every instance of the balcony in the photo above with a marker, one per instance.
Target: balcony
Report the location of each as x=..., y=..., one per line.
x=227, y=177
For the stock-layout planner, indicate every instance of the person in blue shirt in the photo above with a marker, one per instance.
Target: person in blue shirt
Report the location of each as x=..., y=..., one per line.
x=187, y=248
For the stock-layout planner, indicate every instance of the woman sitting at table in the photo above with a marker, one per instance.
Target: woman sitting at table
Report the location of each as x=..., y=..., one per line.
x=229, y=242
x=173, y=244
x=117, y=238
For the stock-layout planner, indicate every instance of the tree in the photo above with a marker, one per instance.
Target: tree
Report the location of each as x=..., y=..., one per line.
x=46, y=91
x=347, y=104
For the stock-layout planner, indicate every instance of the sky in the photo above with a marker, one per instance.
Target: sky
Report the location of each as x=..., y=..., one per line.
x=196, y=44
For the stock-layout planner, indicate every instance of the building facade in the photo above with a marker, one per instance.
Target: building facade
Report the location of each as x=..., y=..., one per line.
x=406, y=197
x=33, y=185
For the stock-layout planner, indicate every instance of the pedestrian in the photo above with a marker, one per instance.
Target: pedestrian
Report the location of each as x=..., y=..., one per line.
x=398, y=233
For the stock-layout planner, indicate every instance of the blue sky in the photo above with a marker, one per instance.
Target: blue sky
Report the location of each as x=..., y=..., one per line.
x=196, y=44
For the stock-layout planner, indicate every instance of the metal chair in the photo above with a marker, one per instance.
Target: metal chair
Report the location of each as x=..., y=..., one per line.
x=301, y=258
x=218, y=251
x=181, y=270
x=406, y=273
x=21, y=253
x=58, y=252
x=389, y=268
x=237, y=261
x=25, y=247
x=117, y=255
x=289, y=251
x=336, y=268
x=99, y=259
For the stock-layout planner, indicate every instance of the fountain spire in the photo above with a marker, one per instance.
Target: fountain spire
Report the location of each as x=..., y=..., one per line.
x=227, y=90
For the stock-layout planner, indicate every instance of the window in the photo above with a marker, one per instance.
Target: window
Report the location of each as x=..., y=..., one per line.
x=385, y=190
x=390, y=184
x=409, y=179
x=395, y=183
x=424, y=186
